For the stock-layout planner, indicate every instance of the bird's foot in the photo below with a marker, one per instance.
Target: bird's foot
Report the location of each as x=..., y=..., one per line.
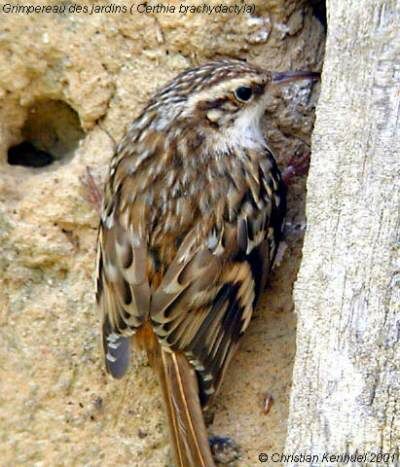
x=93, y=193
x=224, y=449
x=298, y=166
x=280, y=254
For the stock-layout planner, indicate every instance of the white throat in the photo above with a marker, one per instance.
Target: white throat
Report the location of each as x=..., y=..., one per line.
x=245, y=132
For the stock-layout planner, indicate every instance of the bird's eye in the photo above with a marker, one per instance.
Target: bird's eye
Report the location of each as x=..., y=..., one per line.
x=243, y=93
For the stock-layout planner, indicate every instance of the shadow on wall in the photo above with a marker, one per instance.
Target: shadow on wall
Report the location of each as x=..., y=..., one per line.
x=51, y=132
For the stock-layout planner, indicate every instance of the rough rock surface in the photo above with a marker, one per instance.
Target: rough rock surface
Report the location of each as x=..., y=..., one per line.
x=57, y=407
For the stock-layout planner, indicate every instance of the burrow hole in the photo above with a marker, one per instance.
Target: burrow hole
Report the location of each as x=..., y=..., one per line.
x=51, y=133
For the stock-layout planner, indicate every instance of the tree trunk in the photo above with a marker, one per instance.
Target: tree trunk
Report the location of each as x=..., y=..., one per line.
x=346, y=388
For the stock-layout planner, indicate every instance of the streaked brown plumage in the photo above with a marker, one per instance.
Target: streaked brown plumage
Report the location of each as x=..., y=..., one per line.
x=191, y=221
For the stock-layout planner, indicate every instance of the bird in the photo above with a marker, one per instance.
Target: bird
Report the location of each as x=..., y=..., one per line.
x=192, y=216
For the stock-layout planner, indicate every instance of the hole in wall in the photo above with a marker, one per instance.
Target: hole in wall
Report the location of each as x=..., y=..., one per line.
x=27, y=155
x=51, y=133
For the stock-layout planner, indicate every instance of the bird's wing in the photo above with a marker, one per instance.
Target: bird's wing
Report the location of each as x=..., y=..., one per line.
x=123, y=292
x=206, y=298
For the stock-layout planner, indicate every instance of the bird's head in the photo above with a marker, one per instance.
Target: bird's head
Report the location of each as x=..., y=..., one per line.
x=222, y=100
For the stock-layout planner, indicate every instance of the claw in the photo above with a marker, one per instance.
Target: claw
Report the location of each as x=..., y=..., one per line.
x=93, y=193
x=297, y=167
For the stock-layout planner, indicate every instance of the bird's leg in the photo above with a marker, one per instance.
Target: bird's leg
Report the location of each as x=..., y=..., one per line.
x=93, y=193
x=298, y=166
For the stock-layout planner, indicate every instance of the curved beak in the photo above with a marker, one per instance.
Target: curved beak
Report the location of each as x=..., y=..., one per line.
x=289, y=76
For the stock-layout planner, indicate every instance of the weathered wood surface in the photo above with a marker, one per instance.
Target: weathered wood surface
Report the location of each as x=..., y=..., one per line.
x=346, y=389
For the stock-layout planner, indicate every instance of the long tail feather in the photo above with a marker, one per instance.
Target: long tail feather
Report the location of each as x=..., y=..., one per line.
x=181, y=395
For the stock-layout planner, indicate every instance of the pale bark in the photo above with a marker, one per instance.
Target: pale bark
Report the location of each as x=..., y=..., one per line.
x=346, y=388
